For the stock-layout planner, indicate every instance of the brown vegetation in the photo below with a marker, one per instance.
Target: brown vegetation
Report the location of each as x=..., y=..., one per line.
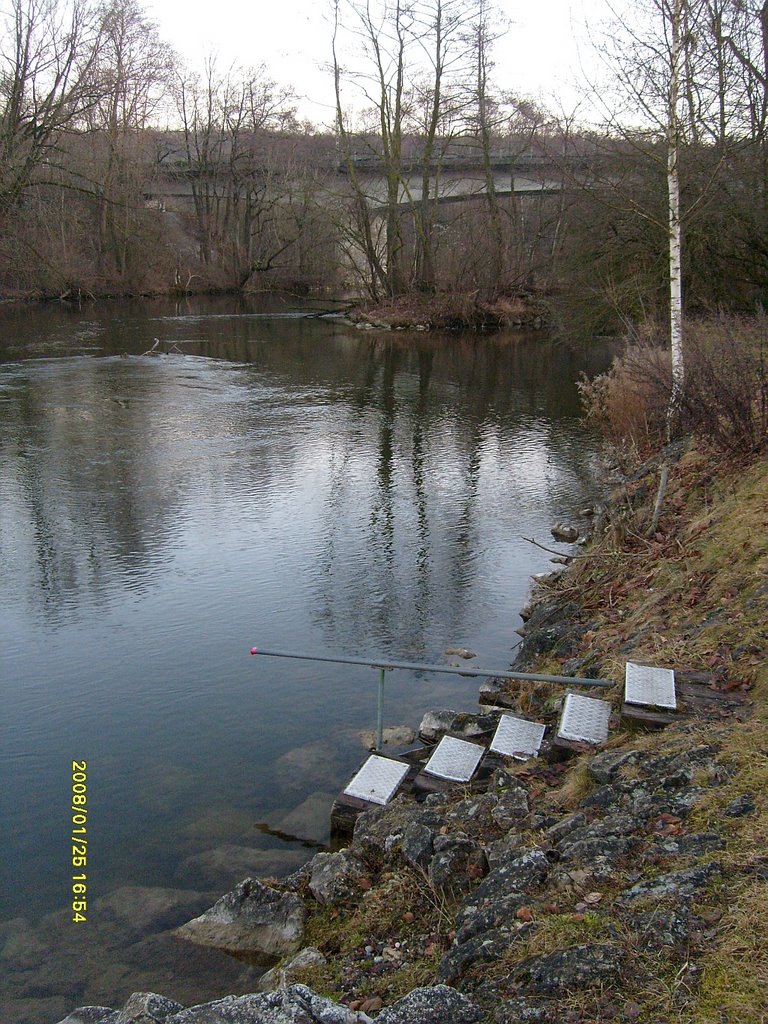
x=725, y=395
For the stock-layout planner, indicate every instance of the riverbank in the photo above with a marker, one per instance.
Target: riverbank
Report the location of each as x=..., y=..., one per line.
x=624, y=885
x=415, y=312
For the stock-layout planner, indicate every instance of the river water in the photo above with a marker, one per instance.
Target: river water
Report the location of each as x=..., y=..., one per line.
x=258, y=479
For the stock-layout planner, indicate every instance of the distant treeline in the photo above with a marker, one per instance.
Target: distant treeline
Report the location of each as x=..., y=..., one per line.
x=438, y=182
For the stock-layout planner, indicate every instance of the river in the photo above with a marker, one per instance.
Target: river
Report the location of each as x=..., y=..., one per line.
x=259, y=478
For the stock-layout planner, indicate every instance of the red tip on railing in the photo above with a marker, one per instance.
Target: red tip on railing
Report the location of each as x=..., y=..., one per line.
x=254, y=650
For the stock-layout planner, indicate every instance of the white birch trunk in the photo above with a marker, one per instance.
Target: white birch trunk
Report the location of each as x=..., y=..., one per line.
x=673, y=192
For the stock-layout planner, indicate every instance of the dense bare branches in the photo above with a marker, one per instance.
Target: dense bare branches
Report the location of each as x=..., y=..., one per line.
x=47, y=58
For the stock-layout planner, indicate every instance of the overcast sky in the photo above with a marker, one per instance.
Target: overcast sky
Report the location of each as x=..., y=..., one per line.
x=539, y=56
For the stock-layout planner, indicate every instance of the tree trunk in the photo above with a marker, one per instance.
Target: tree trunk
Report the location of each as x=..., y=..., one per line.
x=675, y=237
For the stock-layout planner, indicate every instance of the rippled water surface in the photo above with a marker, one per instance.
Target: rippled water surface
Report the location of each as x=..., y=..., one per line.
x=257, y=479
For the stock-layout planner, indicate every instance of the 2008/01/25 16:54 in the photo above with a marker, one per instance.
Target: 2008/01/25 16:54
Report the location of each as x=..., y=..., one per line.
x=79, y=839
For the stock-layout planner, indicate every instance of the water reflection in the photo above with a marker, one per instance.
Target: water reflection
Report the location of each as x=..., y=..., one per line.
x=289, y=482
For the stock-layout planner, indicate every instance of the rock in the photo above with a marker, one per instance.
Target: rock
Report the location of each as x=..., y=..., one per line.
x=482, y=948
x=416, y=846
x=379, y=832
x=295, y=1005
x=279, y=977
x=335, y=877
x=501, y=915
x=251, y=918
x=149, y=1006
x=474, y=813
x=668, y=764
x=740, y=807
x=693, y=845
x=517, y=877
x=141, y=1008
x=511, y=808
x=570, y=970
x=448, y=866
x=504, y=850
x=23, y=950
x=552, y=628
x=659, y=927
x=565, y=533
x=393, y=735
x=564, y=827
x=311, y=767
x=612, y=825
x=436, y=723
x=605, y=766
x=89, y=1015
x=600, y=850
x=435, y=1004
x=520, y=1011
x=460, y=652
x=677, y=884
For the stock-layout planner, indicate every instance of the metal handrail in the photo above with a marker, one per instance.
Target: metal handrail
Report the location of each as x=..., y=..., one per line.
x=385, y=665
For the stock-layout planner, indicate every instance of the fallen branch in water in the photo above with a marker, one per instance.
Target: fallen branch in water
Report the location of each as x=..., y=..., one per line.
x=153, y=351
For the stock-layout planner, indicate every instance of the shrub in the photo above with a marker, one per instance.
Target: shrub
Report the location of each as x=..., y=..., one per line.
x=725, y=397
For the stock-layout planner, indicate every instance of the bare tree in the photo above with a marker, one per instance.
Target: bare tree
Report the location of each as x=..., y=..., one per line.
x=47, y=57
x=408, y=74
x=133, y=68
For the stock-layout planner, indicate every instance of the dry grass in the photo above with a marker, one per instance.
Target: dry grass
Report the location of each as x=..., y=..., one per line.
x=725, y=397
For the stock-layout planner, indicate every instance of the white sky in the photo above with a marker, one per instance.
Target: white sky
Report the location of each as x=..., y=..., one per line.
x=539, y=57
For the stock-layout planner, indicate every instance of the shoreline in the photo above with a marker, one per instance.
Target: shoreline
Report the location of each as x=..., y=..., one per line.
x=417, y=312
x=529, y=900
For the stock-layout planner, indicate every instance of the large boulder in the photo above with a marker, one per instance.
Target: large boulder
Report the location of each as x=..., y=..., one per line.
x=295, y=1005
x=252, y=918
x=141, y=1007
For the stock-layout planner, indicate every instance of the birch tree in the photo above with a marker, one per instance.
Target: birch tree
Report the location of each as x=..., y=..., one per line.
x=659, y=107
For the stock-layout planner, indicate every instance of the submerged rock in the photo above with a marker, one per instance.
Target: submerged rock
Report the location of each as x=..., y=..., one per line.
x=393, y=735
x=224, y=865
x=252, y=918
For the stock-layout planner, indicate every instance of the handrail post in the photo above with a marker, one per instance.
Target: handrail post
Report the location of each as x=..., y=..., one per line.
x=380, y=713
